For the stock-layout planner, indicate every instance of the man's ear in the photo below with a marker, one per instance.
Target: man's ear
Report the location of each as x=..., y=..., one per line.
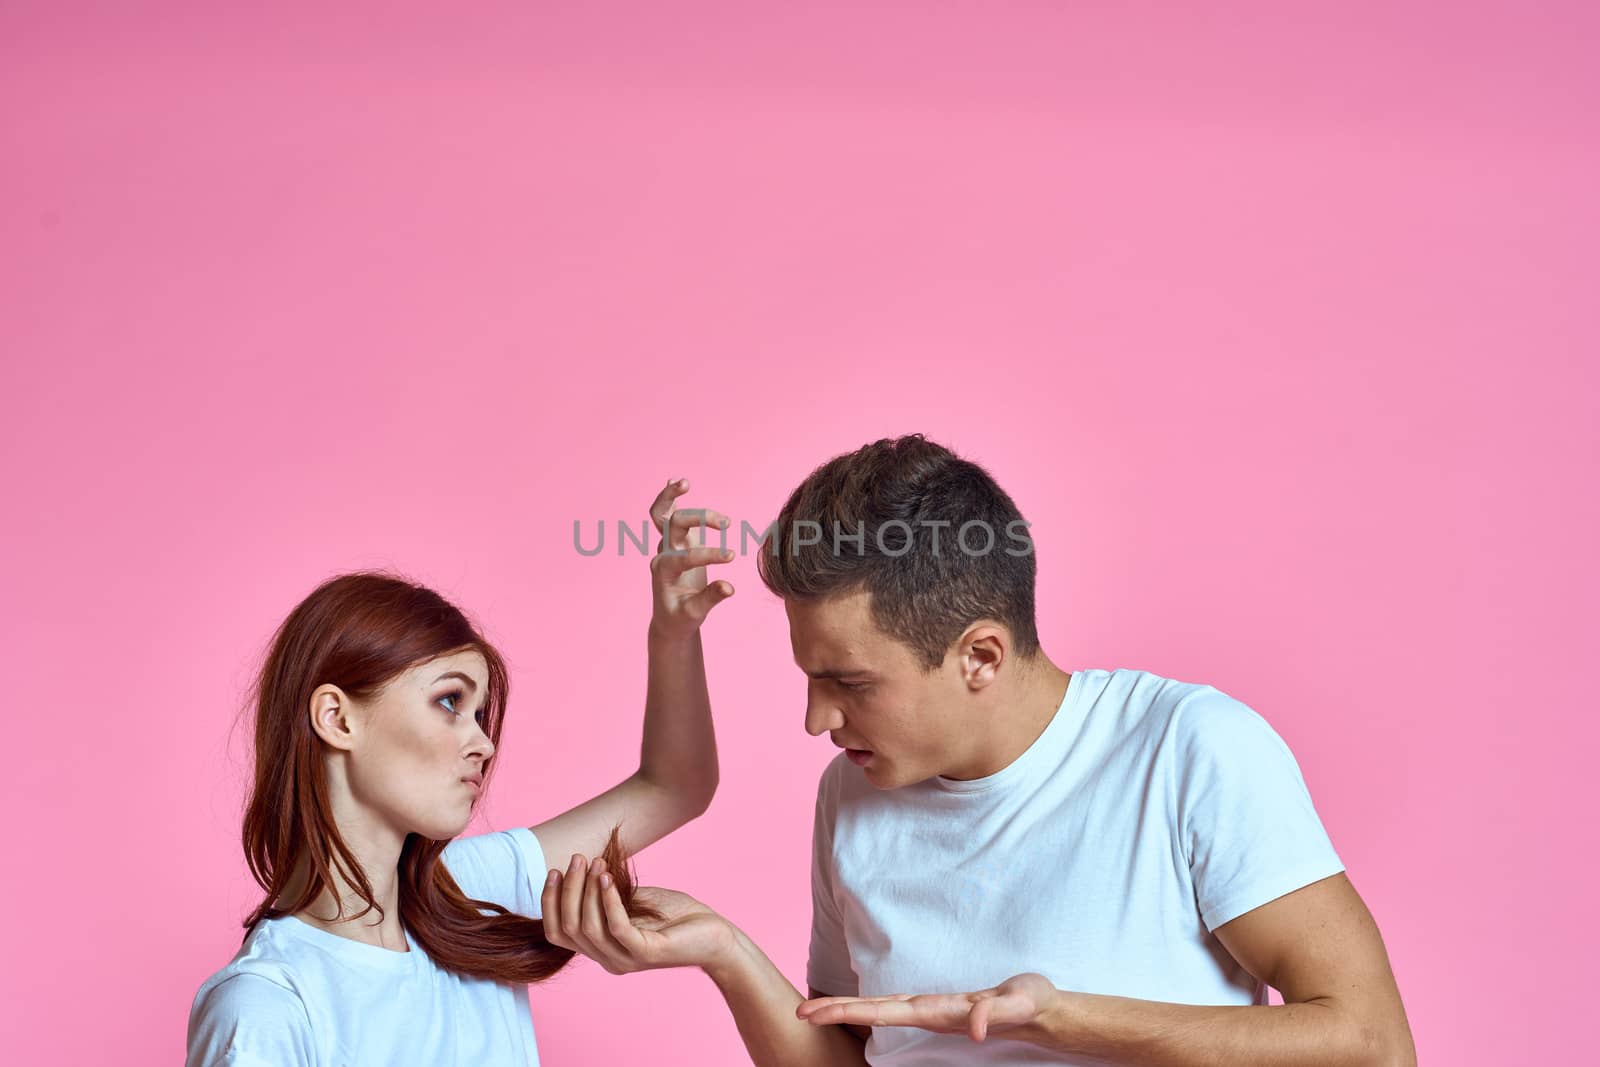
x=333, y=717
x=982, y=649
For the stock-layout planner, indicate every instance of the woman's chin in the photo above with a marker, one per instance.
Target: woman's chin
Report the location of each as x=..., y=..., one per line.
x=444, y=830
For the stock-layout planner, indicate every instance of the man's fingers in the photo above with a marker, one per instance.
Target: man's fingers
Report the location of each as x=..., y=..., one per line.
x=550, y=908
x=839, y=1002
x=939, y=1012
x=876, y=1011
x=978, y=1020
x=618, y=924
x=601, y=947
x=571, y=905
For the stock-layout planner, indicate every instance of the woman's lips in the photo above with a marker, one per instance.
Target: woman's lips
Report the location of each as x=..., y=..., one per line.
x=858, y=756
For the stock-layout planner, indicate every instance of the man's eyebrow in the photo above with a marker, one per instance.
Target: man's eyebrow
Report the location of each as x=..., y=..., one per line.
x=859, y=672
x=457, y=674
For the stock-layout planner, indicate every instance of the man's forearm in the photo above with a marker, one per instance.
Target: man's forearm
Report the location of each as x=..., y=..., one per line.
x=1122, y=1030
x=679, y=749
x=763, y=1004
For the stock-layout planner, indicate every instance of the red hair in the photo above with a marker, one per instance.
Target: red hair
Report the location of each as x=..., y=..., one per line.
x=358, y=631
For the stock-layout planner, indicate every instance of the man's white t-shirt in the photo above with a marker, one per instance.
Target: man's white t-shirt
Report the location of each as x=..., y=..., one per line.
x=1148, y=813
x=298, y=996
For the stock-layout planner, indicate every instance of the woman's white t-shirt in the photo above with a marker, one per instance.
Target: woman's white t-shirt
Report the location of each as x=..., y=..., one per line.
x=298, y=996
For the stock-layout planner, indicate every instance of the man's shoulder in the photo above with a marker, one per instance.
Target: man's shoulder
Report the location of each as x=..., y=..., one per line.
x=1144, y=700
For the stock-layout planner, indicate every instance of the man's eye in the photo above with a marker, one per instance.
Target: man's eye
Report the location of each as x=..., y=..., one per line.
x=852, y=685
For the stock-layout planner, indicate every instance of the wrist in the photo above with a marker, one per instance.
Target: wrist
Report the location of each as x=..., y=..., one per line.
x=1052, y=1025
x=731, y=953
x=670, y=635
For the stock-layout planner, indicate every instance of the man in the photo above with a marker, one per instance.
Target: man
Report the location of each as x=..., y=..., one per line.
x=1013, y=864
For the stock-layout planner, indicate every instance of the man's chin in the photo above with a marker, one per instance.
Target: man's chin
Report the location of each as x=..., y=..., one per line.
x=880, y=774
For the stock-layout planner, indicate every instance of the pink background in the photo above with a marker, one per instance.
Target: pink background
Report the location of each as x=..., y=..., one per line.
x=1276, y=320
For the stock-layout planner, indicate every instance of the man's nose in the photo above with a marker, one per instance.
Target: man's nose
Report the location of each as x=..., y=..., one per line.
x=822, y=716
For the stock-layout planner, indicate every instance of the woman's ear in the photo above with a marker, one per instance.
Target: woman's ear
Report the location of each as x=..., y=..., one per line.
x=332, y=717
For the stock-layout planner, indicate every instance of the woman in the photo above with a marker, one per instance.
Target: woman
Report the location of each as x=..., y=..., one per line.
x=383, y=938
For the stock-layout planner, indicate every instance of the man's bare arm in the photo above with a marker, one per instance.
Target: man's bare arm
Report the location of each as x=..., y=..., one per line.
x=763, y=1004
x=1318, y=946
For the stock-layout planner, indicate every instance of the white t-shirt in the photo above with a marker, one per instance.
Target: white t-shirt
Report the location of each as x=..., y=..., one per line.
x=1147, y=814
x=298, y=996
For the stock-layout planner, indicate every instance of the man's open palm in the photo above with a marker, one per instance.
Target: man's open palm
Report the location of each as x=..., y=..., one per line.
x=1013, y=1003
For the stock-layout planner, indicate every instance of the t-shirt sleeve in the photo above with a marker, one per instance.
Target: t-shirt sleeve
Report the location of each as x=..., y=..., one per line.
x=828, y=967
x=1248, y=827
x=505, y=868
x=247, y=1020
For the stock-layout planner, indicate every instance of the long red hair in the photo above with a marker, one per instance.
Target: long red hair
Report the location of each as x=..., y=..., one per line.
x=358, y=631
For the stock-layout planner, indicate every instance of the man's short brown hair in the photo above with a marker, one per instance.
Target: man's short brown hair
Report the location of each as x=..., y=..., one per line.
x=933, y=538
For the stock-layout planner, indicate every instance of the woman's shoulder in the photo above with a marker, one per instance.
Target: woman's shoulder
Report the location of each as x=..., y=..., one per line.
x=505, y=867
x=251, y=1009
x=262, y=970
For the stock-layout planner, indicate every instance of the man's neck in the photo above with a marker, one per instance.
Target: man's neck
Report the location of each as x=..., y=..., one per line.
x=1016, y=719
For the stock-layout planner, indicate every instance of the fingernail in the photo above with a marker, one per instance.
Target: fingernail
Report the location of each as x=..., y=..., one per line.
x=552, y=877
x=605, y=881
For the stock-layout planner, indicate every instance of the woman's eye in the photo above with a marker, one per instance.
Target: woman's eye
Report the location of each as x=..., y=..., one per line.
x=452, y=697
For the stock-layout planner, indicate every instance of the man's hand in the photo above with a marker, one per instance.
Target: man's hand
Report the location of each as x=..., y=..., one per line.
x=583, y=911
x=1009, y=1006
x=682, y=597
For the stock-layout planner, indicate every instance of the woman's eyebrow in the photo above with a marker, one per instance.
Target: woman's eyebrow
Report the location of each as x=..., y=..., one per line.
x=457, y=674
